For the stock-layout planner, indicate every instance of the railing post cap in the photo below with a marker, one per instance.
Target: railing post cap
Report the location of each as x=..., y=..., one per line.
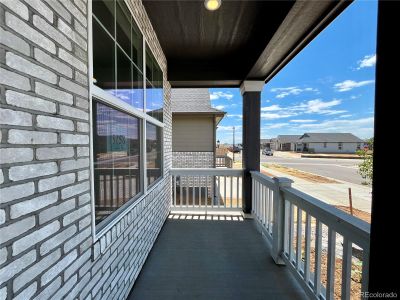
x=283, y=181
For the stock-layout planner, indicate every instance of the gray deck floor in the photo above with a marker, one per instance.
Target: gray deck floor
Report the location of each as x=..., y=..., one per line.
x=209, y=259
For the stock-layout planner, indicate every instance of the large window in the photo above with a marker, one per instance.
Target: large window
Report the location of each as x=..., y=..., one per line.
x=154, y=87
x=117, y=52
x=153, y=152
x=120, y=159
x=116, y=153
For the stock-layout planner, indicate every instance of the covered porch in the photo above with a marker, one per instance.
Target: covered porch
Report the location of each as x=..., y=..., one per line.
x=219, y=256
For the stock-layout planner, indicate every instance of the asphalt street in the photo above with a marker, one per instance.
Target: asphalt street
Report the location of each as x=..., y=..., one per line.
x=341, y=169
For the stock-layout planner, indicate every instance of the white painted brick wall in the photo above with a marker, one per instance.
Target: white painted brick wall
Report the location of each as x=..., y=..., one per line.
x=33, y=103
x=46, y=244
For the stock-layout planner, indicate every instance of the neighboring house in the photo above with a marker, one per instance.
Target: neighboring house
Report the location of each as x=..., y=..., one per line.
x=194, y=124
x=287, y=142
x=329, y=143
x=268, y=143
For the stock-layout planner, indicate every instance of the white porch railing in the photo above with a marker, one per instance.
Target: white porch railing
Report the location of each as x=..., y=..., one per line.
x=206, y=189
x=315, y=240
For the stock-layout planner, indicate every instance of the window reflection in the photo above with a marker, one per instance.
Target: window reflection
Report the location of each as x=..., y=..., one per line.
x=116, y=148
x=154, y=87
x=125, y=79
x=103, y=58
x=153, y=152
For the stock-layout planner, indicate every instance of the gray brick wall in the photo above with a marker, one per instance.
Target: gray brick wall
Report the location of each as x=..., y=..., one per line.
x=193, y=159
x=46, y=245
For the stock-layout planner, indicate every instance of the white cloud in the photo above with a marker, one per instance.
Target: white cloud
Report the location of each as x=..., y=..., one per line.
x=348, y=85
x=316, y=106
x=274, y=107
x=302, y=121
x=274, y=116
x=220, y=107
x=319, y=106
x=345, y=116
x=220, y=94
x=360, y=127
x=276, y=125
x=292, y=90
x=367, y=61
x=235, y=116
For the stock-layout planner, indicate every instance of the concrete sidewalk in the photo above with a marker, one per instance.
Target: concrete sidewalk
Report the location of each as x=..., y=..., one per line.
x=332, y=193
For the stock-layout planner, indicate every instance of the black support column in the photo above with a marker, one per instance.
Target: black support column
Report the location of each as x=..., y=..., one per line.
x=251, y=92
x=385, y=197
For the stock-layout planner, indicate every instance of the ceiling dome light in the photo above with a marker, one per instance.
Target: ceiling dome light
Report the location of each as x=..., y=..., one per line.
x=212, y=4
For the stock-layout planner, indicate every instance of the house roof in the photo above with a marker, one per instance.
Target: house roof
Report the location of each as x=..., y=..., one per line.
x=192, y=101
x=288, y=138
x=329, y=138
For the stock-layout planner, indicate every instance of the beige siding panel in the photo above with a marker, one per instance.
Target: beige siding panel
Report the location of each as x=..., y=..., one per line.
x=192, y=133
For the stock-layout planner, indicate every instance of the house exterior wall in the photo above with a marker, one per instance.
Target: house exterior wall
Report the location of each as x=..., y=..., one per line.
x=333, y=147
x=192, y=133
x=193, y=160
x=47, y=249
x=286, y=146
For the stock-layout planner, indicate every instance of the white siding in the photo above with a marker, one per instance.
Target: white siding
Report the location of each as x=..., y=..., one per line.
x=333, y=147
x=192, y=133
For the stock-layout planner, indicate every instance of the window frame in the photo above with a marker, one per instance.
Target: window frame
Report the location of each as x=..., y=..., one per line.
x=110, y=100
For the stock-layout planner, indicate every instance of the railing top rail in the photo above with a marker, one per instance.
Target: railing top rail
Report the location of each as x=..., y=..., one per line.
x=269, y=181
x=206, y=172
x=357, y=230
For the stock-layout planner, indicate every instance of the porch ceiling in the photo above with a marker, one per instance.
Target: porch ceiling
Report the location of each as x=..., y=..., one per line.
x=241, y=40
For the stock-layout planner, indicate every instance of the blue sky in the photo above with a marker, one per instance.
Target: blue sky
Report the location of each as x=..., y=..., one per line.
x=328, y=87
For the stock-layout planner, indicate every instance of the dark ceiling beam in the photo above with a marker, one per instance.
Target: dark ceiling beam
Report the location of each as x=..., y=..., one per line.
x=205, y=83
x=303, y=23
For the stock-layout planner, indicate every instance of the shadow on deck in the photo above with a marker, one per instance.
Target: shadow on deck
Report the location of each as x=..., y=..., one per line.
x=212, y=258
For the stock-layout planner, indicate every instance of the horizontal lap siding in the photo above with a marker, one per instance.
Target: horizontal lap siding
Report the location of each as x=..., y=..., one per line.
x=46, y=246
x=192, y=133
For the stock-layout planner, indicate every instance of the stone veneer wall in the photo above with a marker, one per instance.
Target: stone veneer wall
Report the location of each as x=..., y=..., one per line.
x=193, y=159
x=46, y=245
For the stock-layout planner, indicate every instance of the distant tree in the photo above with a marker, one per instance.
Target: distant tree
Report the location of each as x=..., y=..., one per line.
x=365, y=169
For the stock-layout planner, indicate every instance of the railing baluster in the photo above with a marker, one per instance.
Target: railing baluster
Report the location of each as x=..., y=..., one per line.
x=212, y=190
x=268, y=205
x=206, y=191
x=258, y=200
x=237, y=192
x=291, y=230
x=271, y=212
x=200, y=187
x=253, y=196
x=330, y=284
x=307, y=249
x=231, y=190
x=365, y=270
x=346, y=268
x=299, y=238
x=193, y=189
x=187, y=191
x=317, y=263
x=174, y=179
x=286, y=241
x=219, y=191
x=224, y=191
x=181, y=189
x=262, y=203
